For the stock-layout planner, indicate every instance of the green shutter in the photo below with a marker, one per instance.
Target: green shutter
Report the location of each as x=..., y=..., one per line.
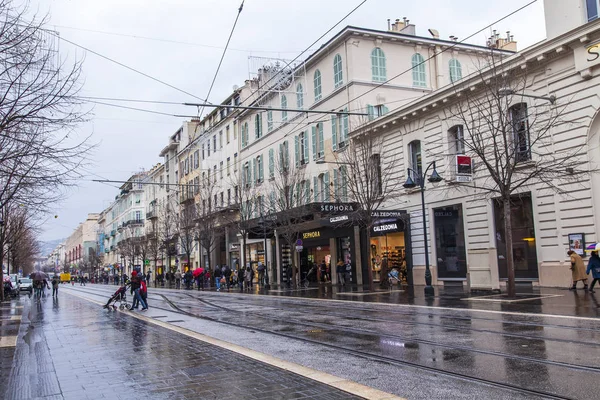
x=326, y=184
x=321, y=141
x=271, y=163
x=253, y=172
x=344, y=135
x=344, y=183
x=316, y=188
x=297, y=150
x=334, y=132
x=314, y=142
x=261, y=169
x=384, y=110
x=371, y=112
x=305, y=136
x=335, y=184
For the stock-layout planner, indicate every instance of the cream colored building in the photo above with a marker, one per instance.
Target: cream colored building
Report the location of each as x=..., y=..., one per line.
x=81, y=245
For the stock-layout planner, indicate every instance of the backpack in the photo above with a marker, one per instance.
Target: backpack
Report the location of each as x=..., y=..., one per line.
x=143, y=287
x=348, y=267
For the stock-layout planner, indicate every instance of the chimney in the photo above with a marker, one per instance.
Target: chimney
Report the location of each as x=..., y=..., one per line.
x=397, y=26
x=408, y=29
x=496, y=42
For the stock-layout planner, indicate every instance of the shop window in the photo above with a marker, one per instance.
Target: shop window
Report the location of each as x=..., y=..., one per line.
x=450, y=242
x=415, y=161
x=523, y=232
x=520, y=127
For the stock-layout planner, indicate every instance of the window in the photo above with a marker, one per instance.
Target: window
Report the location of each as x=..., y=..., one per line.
x=318, y=142
x=340, y=184
x=418, y=71
x=376, y=111
x=269, y=121
x=196, y=185
x=215, y=143
x=222, y=199
x=215, y=175
x=339, y=130
x=284, y=160
x=245, y=135
x=301, y=148
x=455, y=70
x=235, y=132
x=414, y=159
x=204, y=181
x=520, y=127
x=196, y=159
x=338, y=75
x=378, y=65
x=138, y=216
x=299, y=96
x=284, y=105
x=221, y=170
x=247, y=174
x=456, y=140
x=325, y=190
x=208, y=148
x=186, y=166
x=220, y=139
x=271, y=163
x=228, y=165
x=317, y=84
x=229, y=196
x=167, y=162
x=227, y=134
x=258, y=126
x=236, y=100
x=259, y=169
x=203, y=157
x=235, y=162
x=592, y=9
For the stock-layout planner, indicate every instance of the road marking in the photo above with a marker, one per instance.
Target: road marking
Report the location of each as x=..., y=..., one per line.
x=490, y=298
x=345, y=385
x=8, y=341
x=368, y=294
x=15, y=318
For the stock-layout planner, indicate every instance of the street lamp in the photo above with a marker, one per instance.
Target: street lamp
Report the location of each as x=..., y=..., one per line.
x=511, y=92
x=263, y=221
x=410, y=184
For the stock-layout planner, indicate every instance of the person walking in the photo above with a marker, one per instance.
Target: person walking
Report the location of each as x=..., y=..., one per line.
x=227, y=274
x=217, y=275
x=340, y=268
x=347, y=278
x=248, y=278
x=136, y=284
x=577, y=270
x=323, y=269
x=144, y=291
x=178, y=280
x=594, y=268
x=261, y=273
x=55, y=283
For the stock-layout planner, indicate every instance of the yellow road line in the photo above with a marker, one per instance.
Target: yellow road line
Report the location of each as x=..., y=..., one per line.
x=345, y=385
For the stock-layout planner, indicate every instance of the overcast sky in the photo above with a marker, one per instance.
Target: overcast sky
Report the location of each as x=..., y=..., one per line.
x=192, y=35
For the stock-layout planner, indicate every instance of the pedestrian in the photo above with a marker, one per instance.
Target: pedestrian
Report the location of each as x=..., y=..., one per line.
x=55, y=283
x=577, y=270
x=340, y=268
x=594, y=268
x=227, y=274
x=136, y=284
x=148, y=276
x=240, y=278
x=248, y=278
x=217, y=274
x=347, y=278
x=323, y=268
x=178, y=280
x=144, y=291
x=260, y=268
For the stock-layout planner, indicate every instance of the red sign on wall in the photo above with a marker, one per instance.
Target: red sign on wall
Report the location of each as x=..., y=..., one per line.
x=463, y=165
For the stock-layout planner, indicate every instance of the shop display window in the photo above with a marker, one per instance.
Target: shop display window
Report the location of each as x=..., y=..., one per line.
x=390, y=246
x=451, y=258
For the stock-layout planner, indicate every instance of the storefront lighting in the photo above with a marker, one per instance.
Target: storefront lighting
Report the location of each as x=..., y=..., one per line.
x=529, y=239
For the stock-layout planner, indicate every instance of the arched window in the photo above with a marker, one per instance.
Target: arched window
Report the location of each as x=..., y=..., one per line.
x=338, y=76
x=418, y=71
x=378, y=65
x=455, y=70
x=299, y=96
x=317, y=83
x=415, y=161
x=283, y=105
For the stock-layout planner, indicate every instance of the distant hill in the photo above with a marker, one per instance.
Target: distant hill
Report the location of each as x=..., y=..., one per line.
x=46, y=247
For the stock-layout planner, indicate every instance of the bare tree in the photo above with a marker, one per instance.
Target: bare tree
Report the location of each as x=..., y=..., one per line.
x=361, y=166
x=208, y=226
x=40, y=153
x=289, y=195
x=153, y=244
x=511, y=140
x=167, y=231
x=186, y=229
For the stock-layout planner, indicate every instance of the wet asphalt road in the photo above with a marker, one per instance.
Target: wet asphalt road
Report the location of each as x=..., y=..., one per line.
x=416, y=352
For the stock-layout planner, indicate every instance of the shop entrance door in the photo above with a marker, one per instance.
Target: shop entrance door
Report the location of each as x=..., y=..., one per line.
x=315, y=256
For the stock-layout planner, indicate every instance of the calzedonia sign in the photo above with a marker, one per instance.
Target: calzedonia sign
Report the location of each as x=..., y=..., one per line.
x=386, y=227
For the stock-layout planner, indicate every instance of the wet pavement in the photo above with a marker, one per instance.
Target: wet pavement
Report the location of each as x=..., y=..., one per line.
x=69, y=348
x=461, y=347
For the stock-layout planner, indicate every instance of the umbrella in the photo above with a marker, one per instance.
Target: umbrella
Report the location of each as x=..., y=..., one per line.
x=38, y=276
x=197, y=271
x=6, y=278
x=593, y=247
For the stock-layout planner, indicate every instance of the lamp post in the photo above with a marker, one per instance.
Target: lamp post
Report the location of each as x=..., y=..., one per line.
x=263, y=221
x=409, y=184
x=511, y=92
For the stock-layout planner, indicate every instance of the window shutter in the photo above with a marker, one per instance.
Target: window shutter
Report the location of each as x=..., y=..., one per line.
x=297, y=150
x=271, y=163
x=335, y=184
x=305, y=136
x=334, y=132
x=316, y=188
x=344, y=135
x=253, y=172
x=344, y=183
x=314, y=142
x=327, y=190
x=371, y=112
x=321, y=146
x=261, y=169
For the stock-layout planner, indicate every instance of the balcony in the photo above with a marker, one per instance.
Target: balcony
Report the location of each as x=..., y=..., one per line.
x=133, y=222
x=112, y=248
x=113, y=232
x=151, y=214
x=186, y=198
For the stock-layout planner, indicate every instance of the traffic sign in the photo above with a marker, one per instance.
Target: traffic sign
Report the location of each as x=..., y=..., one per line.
x=299, y=248
x=299, y=242
x=146, y=262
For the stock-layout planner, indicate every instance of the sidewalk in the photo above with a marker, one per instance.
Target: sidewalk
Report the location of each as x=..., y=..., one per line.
x=68, y=348
x=529, y=300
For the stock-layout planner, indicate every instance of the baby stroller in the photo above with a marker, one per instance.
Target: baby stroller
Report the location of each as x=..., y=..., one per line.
x=120, y=296
x=310, y=276
x=394, y=277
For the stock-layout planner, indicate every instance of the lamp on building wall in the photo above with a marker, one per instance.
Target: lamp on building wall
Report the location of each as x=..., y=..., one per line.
x=512, y=92
x=410, y=184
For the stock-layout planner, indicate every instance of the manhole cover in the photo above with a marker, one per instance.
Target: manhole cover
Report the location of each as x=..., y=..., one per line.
x=202, y=370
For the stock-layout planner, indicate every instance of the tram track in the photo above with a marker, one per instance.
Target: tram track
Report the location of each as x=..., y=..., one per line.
x=367, y=355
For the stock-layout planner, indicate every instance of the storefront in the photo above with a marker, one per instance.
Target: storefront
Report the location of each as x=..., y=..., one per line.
x=316, y=251
x=388, y=244
x=451, y=257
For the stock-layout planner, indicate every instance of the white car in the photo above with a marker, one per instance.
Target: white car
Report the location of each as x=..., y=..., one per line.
x=14, y=280
x=26, y=285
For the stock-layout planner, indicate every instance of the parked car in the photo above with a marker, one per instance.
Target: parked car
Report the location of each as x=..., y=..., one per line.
x=26, y=285
x=14, y=279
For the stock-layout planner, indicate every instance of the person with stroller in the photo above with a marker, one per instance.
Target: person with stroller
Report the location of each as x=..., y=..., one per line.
x=136, y=283
x=119, y=295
